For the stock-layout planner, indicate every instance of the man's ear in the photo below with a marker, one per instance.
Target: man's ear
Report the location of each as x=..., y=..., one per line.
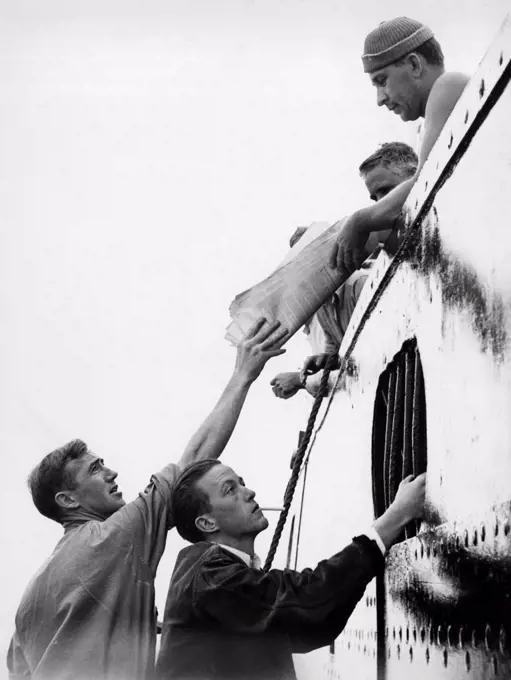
x=66, y=500
x=416, y=65
x=206, y=524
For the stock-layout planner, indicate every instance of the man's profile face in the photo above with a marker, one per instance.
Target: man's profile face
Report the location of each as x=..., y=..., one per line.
x=94, y=485
x=381, y=179
x=233, y=505
x=398, y=90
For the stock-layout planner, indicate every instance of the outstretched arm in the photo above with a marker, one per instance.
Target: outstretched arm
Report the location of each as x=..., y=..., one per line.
x=261, y=343
x=349, y=251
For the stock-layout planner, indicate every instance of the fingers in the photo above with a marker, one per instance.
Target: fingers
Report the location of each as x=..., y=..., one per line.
x=407, y=479
x=277, y=336
x=252, y=331
x=275, y=353
x=265, y=331
x=274, y=381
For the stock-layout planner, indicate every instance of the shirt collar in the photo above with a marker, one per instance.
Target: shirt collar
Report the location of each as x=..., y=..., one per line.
x=251, y=561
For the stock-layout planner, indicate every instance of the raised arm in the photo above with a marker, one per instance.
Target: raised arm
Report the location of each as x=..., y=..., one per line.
x=261, y=343
x=349, y=251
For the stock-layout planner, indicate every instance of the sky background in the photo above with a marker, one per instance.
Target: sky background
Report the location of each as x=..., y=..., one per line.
x=155, y=157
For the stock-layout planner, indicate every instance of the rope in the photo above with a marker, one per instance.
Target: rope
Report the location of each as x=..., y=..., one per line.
x=300, y=454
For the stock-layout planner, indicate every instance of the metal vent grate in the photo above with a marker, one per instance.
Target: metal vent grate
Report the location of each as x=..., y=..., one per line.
x=399, y=428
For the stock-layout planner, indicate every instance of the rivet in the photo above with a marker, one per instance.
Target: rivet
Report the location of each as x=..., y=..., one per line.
x=445, y=657
x=495, y=665
x=496, y=529
x=400, y=633
x=428, y=552
x=483, y=532
x=422, y=549
x=415, y=634
x=451, y=140
x=474, y=538
x=425, y=186
x=394, y=633
x=407, y=634
x=481, y=88
x=427, y=655
x=423, y=634
x=467, y=661
x=411, y=654
x=466, y=117
x=398, y=651
x=501, y=59
x=465, y=535
x=506, y=528
x=416, y=555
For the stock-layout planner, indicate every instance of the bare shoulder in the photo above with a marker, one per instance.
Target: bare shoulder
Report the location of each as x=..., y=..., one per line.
x=441, y=101
x=446, y=91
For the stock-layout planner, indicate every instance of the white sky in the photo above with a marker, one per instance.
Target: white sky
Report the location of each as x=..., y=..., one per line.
x=154, y=159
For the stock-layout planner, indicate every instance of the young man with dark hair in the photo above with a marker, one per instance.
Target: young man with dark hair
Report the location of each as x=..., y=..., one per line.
x=224, y=617
x=387, y=167
x=406, y=66
x=89, y=612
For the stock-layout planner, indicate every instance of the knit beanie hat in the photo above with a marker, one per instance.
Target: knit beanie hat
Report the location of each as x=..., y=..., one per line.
x=392, y=40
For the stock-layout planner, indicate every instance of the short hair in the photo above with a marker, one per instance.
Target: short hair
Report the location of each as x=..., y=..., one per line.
x=430, y=50
x=51, y=476
x=188, y=501
x=396, y=154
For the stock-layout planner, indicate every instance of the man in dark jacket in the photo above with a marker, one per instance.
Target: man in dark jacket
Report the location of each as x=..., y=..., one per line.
x=224, y=617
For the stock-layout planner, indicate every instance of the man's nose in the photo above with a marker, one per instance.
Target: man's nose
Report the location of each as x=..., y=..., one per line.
x=110, y=474
x=381, y=96
x=250, y=495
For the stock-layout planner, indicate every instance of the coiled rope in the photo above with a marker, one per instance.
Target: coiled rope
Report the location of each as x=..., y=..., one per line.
x=300, y=454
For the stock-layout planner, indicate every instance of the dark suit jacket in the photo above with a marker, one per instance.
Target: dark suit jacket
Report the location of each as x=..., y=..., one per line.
x=224, y=620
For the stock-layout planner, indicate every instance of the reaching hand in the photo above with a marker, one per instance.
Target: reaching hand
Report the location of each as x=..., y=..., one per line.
x=349, y=251
x=313, y=364
x=262, y=342
x=410, y=496
x=286, y=385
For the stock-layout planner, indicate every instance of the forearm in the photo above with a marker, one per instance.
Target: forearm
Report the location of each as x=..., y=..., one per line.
x=390, y=525
x=212, y=436
x=381, y=215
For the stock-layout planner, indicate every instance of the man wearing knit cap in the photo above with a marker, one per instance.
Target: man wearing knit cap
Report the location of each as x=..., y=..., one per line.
x=406, y=66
